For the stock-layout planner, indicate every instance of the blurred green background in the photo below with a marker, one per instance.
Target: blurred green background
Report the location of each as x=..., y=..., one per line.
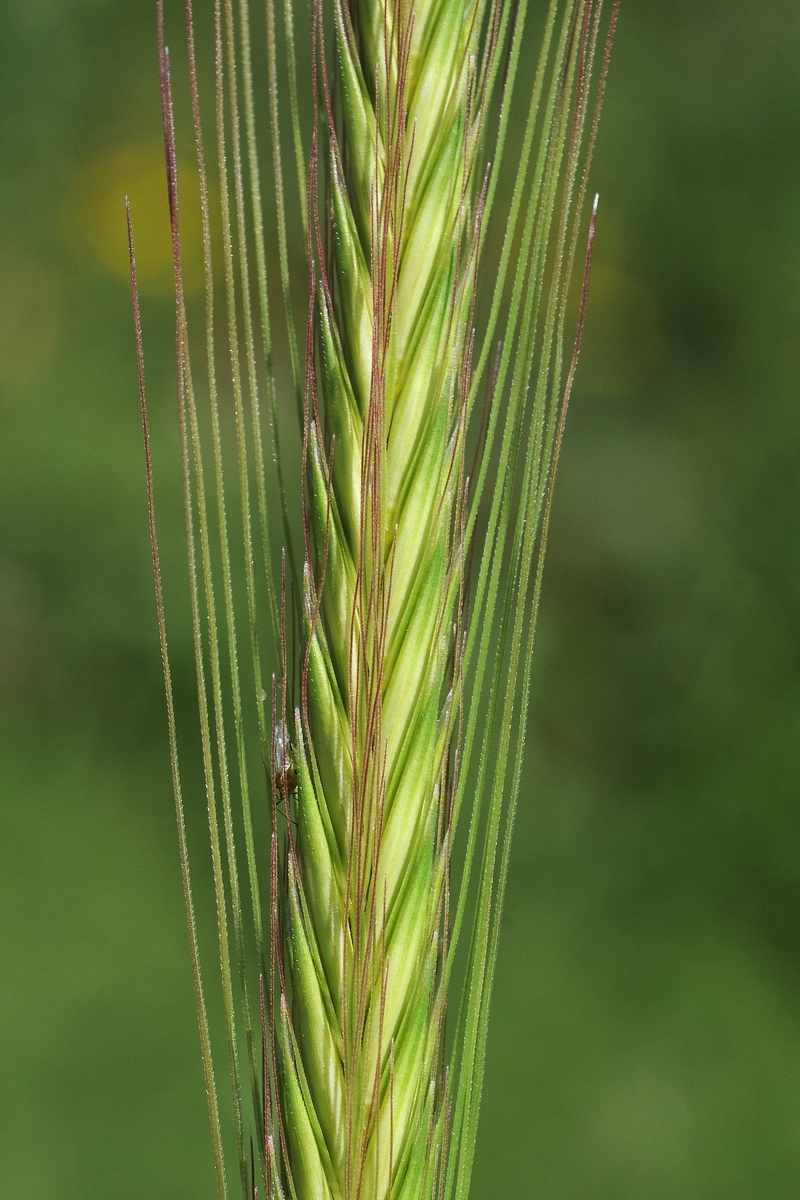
x=646, y=1035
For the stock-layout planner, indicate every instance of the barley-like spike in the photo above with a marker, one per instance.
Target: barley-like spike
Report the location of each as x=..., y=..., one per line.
x=399, y=704
x=395, y=254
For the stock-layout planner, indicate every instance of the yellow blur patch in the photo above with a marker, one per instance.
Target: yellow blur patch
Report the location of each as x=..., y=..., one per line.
x=96, y=217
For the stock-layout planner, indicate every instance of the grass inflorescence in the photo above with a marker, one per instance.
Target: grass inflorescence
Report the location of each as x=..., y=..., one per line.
x=430, y=402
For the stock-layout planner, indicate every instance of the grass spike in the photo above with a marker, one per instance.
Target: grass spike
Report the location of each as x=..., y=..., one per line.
x=402, y=696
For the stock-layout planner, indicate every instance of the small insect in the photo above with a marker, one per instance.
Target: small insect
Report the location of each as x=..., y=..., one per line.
x=284, y=771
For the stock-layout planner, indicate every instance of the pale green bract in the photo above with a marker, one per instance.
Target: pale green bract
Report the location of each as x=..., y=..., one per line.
x=421, y=572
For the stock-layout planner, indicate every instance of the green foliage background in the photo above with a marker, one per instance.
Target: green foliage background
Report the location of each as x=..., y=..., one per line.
x=646, y=1036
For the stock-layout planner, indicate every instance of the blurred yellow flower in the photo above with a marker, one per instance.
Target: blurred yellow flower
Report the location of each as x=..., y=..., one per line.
x=95, y=216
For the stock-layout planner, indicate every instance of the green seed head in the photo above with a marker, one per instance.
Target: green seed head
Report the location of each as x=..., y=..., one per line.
x=365, y=928
x=418, y=589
